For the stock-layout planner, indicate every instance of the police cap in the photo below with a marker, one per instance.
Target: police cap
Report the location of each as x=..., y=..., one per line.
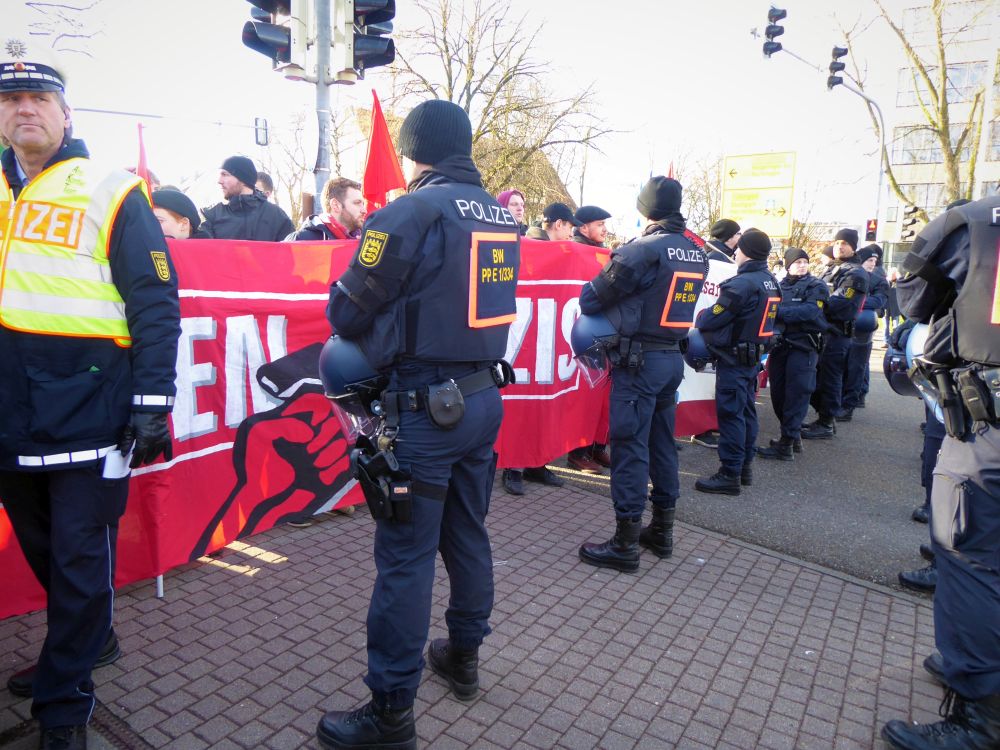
x=27, y=63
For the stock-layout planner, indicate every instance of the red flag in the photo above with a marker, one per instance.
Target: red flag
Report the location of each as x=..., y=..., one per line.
x=670, y=170
x=382, y=171
x=141, y=169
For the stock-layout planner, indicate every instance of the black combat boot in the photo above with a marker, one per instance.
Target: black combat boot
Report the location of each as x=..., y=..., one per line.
x=458, y=666
x=845, y=415
x=923, y=580
x=621, y=552
x=658, y=537
x=720, y=483
x=922, y=513
x=746, y=474
x=934, y=666
x=368, y=727
x=20, y=683
x=796, y=444
x=968, y=725
x=927, y=552
x=780, y=450
x=821, y=429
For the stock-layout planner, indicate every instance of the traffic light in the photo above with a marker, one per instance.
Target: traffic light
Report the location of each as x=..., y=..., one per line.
x=836, y=67
x=361, y=37
x=908, y=227
x=871, y=229
x=279, y=29
x=773, y=30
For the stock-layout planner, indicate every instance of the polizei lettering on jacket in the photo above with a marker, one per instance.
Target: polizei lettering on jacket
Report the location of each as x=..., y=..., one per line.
x=686, y=254
x=489, y=214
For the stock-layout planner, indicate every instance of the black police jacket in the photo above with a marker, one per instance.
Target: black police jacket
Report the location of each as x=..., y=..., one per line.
x=951, y=283
x=800, y=312
x=878, y=292
x=848, y=282
x=746, y=310
x=434, y=275
x=652, y=283
x=67, y=394
x=247, y=217
x=716, y=250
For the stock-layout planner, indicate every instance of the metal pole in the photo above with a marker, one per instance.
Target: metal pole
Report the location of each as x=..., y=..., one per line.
x=322, y=170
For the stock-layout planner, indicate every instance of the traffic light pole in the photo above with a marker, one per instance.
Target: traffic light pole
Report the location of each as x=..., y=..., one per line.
x=322, y=169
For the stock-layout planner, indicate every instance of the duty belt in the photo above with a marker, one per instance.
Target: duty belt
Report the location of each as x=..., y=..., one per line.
x=415, y=399
x=661, y=346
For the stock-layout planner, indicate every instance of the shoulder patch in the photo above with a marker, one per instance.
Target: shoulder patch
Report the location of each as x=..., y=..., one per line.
x=160, y=264
x=372, y=247
x=819, y=304
x=849, y=292
x=716, y=309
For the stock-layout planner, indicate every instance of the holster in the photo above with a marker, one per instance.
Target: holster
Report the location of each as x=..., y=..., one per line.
x=627, y=355
x=386, y=487
x=749, y=353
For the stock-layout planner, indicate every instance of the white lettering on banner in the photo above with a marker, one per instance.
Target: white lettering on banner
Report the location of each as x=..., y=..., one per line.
x=567, y=364
x=545, y=342
x=515, y=337
x=244, y=356
x=188, y=423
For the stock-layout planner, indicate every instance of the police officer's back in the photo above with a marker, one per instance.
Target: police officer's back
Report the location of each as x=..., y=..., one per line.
x=951, y=283
x=737, y=330
x=429, y=297
x=649, y=288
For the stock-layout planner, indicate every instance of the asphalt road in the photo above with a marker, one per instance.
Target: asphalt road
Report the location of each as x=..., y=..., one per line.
x=843, y=503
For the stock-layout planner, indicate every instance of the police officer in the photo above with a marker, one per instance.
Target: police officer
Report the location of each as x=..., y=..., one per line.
x=951, y=283
x=792, y=364
x=80, y=379
x=856, y=374
x=429, y=297
x=723, y=236
x=848, y=283
x=737, y=330
x=651, y=286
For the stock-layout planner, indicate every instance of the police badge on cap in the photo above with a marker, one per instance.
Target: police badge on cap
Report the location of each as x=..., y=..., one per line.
x=28, y=64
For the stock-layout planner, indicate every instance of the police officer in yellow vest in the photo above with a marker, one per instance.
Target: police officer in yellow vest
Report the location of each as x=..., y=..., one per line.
x=89, y=322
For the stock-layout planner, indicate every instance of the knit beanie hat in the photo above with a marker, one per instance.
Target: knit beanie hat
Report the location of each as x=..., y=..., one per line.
x=180, y=204
x=242, y=169
x=872, y=251
x=793, y=254
x=435, y=130
x=504, y=198
x=659, y=198
x=850, y=236
x=755, y=244
x=723, y=230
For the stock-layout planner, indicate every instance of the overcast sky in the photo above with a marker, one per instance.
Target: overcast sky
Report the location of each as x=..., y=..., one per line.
x=674, y=77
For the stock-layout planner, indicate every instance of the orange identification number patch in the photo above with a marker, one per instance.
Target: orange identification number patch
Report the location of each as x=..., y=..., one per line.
x=678, y=312
x=35, y=221
x=493, y=262
x=769, y=318
x=995, y=316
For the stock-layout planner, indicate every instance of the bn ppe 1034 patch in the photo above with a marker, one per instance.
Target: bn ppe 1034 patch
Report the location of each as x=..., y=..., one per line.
x=678, y=312
x=372, y=247
x=160, y=264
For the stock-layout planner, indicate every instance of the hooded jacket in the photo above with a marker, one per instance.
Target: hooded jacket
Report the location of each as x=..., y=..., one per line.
x=247, y=217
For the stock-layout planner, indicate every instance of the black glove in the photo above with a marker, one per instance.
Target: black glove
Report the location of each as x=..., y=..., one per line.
x=149, y=433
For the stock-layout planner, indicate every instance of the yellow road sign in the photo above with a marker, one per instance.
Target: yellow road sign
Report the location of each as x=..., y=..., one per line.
x=759, y=171
x=768, y=209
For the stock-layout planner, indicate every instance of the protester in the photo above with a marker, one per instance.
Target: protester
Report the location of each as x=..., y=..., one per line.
x=177, y=214
x=265, y=184
x=513, y=201
x=723, y=236
x=344, y=214
x=244, y=213
x=89, y=350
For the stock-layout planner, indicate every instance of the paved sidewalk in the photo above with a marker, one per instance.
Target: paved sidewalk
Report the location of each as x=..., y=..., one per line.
x=722, y=646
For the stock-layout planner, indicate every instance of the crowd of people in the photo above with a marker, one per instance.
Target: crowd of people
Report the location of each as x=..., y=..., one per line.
x=90, y=321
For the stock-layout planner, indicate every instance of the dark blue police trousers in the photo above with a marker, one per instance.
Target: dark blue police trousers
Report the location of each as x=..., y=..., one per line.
x=856, y=372
x=965, y=522
x=735, y=391
x=67, y=525
x=641, y=421
x=791, y=372
x=827, y=400
x=461, y=459
x=934, y=433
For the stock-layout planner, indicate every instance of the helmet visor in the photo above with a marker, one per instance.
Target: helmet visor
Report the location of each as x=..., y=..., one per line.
x=594, y=365
x=355, y=419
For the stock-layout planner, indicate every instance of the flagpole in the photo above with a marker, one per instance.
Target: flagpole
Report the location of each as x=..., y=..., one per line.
x=322, y=170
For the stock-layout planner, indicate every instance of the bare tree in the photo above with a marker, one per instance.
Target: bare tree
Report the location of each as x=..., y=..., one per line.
x=285, y=162
x=475, y=54
x=68, y=26
x=932, y=88
x=701, y=177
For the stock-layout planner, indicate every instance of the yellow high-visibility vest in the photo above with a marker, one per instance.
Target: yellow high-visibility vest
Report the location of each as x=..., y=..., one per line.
x=55, y=274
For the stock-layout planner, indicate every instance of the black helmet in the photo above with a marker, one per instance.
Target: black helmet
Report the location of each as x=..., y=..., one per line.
x=590, y=338
x=696, y=354
x=352, y=384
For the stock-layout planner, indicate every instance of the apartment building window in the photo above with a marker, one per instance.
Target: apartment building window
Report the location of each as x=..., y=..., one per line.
x=960, y=22
x=964, y=79
x=993, y=147
x=928, y=195
x=914, y=144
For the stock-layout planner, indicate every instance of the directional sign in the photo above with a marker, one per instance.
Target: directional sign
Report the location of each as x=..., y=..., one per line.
x=769, y=210
x=757, y=191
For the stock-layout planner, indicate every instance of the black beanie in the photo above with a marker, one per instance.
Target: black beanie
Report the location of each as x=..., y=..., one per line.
x=723, y=230
x=659, y=198
x=435, y=130
x=180, y=204
x=850, y=236
x=872, y=251
x=755, y=244
x=242, y=169
x=792, y=254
